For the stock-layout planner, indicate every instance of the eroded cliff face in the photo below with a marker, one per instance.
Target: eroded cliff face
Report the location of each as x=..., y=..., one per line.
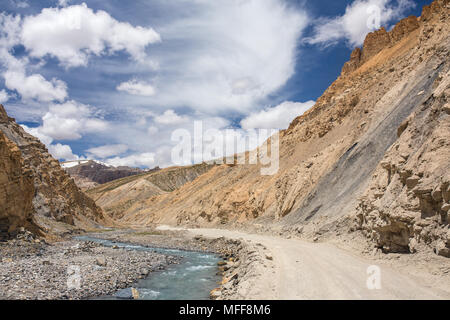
x=16, y=184
x=407, y=202
x=330, y=155
x=37, y=189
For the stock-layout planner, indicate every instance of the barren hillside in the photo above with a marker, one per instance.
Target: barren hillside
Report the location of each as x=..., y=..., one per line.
x=119, y=196
x=92, y=173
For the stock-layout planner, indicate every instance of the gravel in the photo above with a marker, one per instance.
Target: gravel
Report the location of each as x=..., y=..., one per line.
x=33, y=269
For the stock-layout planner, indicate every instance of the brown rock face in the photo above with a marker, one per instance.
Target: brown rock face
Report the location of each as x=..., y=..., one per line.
x=37, y=188
x=16, y=185
x=374, y=43
x=379, y=40
x=354, y=63
x=403, y=28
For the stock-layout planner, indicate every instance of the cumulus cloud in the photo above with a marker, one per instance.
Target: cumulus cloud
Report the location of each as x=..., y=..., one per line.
x=108, y=151
x=136, y=160
x=20, y=4
x=218, y=58
x=360, y=18
x=3, y=96
x=73, y=33
x=63, y=3
x=69, y=121
x=278, y=117
x=170, y=117
x=35, y=86
x=138, y=88
x=226, y=55
x=62, y=152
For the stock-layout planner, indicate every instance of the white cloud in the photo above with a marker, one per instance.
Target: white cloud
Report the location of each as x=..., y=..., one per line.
x=360, y=18
x=20, y=4
x=226, y=55
x=135, y=160
x=108, y=150
x=3, y=96
x=152, y=130
x=218, y=57
x=73, y=33
x=278, y=117
x=170, y=117
x=63, y=3
x=62, y=152
x=69, y=121
x=35, y=86
x=138, y=88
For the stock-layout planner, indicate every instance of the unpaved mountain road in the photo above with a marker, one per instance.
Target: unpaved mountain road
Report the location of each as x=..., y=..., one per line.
x=302, y=270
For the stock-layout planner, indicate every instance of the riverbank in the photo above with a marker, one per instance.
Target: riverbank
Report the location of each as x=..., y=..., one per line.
x=33, y=269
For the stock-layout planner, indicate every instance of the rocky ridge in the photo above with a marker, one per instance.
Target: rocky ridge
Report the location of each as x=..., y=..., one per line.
x=38, y=194
x=92, y=173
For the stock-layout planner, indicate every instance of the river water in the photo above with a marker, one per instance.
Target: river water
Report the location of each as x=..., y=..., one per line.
x=192, y=279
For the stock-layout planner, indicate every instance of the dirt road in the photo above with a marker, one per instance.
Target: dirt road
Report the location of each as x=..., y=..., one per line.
x=303, y=270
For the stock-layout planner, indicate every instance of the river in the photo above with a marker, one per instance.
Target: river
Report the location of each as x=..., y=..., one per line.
x=192, y=279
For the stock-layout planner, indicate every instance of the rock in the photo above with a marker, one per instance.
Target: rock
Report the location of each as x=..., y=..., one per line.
x=221, y=263
x=35, y=184
x=135, y=293
x=436, y=195
x=442, y=250
x=115, y=247
x=413, y=245
x=269, y=257
x=446, y=207
x=144, y=272
x=446, y=108
x=126, y=294
x=46, y=263
x=411, y=182
x=215, y=294
x=101, y=261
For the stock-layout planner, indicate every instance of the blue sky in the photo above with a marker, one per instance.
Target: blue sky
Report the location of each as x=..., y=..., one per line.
x=111, y=79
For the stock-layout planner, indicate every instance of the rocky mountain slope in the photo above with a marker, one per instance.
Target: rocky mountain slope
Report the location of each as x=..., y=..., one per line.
x=92, y=173
x=371, y=156
x=120, y=196
x=36, y=192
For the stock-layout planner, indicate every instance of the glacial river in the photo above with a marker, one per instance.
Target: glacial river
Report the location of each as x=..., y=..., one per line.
x=192, y=279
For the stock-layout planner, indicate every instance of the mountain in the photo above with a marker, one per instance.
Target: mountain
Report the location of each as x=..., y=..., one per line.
x=120, y=196
x=371, y=157
x=37, y=193
x=89, y=174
